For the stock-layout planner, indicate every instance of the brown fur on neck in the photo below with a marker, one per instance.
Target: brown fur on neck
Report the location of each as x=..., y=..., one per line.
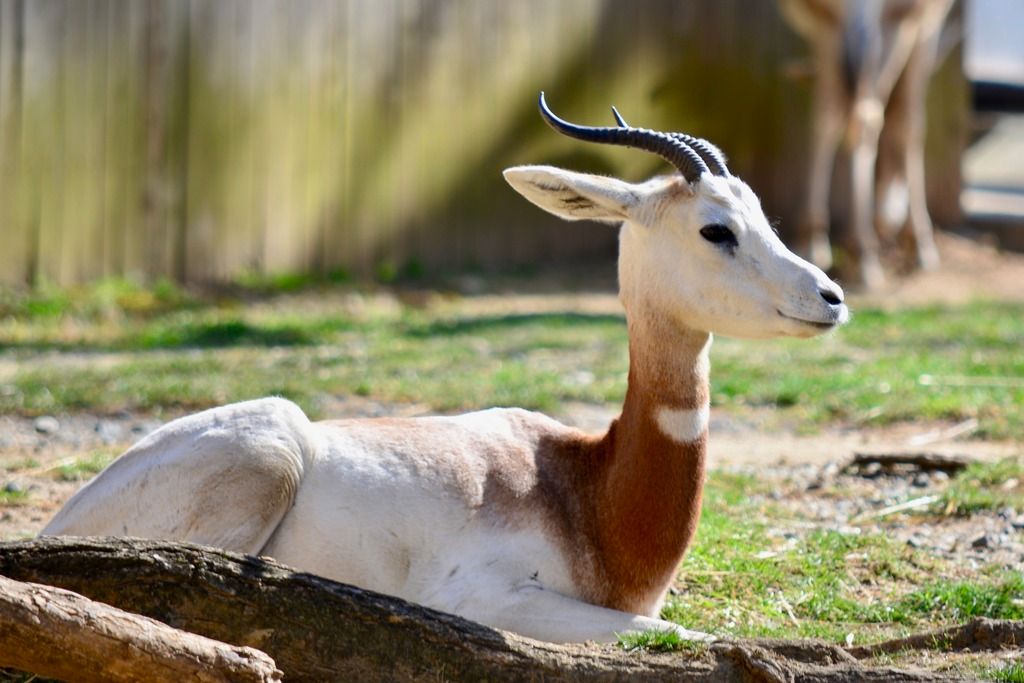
x=641, y=491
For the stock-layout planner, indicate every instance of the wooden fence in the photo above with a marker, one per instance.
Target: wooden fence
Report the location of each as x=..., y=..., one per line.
x=203, y=139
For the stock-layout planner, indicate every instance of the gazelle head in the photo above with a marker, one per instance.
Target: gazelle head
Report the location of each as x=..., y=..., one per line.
x=694, y=247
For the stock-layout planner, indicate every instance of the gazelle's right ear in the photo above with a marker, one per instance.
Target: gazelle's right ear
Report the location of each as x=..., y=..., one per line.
x=574, y=196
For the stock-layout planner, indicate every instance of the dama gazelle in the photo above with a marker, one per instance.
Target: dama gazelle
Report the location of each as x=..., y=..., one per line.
x=872, y=60
x=504, y=516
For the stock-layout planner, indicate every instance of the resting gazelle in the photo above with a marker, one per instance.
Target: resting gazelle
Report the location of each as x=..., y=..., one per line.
x=504, y=516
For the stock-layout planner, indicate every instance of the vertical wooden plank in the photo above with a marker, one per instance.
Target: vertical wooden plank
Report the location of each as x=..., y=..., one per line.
x=89, y=115
x=184, y=265
x=64, y=239
x=331, y=86
x=159, y=37
x=138, y=147
x=275, y=143
x=319, y=142
x=346, y=215
x=259, y=137
x=13, y=225
x=44, y=135
x=246, y=247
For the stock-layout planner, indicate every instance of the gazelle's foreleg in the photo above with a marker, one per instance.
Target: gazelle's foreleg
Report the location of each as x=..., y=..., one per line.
x=828, y=123
x=864, y=133
x=543, y=614
x=912, y=91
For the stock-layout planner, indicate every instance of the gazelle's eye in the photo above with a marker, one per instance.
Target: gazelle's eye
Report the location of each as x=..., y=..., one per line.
x=720, y=235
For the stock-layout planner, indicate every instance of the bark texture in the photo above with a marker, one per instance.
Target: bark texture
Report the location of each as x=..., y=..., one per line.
x=320, y=630
x=60, y=634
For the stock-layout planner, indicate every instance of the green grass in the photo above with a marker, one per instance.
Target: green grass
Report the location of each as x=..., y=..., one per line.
x=85, y=467
x=742, y=578
x=101, y=300
x=195, y=360
x=986, y=486
x=947, y=363
x=17, y=497
x=962, y=600
x=657, y=640
x=118, y=346
x=1010, y=673
x=20, y=464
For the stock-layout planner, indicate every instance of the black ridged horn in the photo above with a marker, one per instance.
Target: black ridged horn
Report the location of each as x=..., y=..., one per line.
x=711, y=155
x=675, y=151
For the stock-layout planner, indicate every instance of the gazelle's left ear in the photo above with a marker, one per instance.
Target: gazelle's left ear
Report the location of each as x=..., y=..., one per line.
x=574, y=196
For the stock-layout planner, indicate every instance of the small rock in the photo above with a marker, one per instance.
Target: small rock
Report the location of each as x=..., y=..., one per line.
x=145, y=427
x=108, y=431
x=872, y=470
x=938, y=476
x=915, y=542
x=1018, y=523
x=921, y=480
x=13, y=487
x=47, y=424
x=982, y=541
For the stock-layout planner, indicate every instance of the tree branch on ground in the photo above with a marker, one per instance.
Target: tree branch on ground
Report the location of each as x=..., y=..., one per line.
x=926, y=462
x=59, y=634
x=317, y=630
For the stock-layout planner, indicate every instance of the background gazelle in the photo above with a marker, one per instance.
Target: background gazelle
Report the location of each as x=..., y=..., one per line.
x=504, y=516
x=872, y=59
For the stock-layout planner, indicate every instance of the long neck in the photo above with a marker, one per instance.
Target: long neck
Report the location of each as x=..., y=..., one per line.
x=654, y=475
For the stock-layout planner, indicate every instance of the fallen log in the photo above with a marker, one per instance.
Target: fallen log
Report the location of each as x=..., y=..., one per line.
x=59, y=634
x=320, y=630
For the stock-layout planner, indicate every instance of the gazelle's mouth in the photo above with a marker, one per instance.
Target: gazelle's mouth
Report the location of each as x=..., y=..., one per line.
x=817, y=324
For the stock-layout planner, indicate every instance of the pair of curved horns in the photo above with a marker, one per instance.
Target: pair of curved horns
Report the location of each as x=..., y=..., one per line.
x=692, y=156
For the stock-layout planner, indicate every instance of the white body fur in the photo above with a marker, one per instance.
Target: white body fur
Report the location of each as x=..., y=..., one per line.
x=402, y=515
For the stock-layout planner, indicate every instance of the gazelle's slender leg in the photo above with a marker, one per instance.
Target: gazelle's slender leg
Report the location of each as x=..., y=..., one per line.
x=920, y=230
x=866, y=130
x=546, y=615
x=829, y=121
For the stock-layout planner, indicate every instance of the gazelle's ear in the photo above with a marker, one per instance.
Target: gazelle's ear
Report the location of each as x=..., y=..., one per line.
x=574, y=196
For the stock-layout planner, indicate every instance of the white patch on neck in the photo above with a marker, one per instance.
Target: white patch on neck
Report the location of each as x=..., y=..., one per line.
x=684, y=425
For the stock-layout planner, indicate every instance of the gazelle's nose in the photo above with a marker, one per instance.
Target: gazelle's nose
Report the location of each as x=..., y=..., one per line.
x=832, y=295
